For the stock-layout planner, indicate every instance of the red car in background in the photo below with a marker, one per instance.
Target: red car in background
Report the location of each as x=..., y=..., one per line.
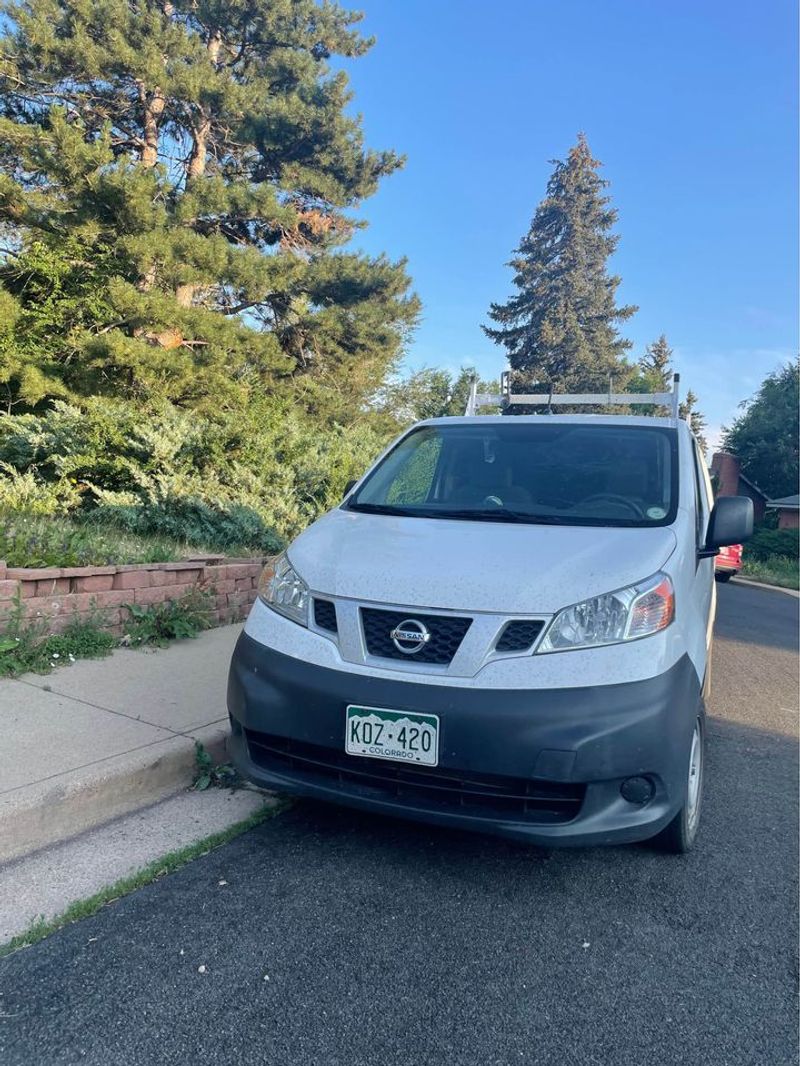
x=728, y=563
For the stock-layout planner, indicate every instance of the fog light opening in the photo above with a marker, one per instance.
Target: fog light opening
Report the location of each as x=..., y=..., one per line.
x=638, y=790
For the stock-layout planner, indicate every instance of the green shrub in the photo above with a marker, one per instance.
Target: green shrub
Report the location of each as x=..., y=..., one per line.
x=158, y=624
x=252, y=479
x=766, y=543
x=31, y=494
x=217, y=525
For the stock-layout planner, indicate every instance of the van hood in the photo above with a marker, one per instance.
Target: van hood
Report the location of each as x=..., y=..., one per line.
x=505, y=568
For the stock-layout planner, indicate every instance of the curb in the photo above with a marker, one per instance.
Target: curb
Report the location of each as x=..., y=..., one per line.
x=763, y=585
x=51, y=812
x=41, y=893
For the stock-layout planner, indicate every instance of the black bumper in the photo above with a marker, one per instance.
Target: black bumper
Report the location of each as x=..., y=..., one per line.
x=538, y=765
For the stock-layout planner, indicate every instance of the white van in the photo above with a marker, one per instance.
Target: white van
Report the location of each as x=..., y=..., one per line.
x=505, y=626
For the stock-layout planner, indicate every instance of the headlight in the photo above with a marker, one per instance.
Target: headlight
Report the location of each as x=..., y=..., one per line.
x=282, y=588
x=627, y=614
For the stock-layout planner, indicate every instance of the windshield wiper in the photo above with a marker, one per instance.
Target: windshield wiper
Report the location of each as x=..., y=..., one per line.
x=384, y=508
x=478, y=514
x=500, y=514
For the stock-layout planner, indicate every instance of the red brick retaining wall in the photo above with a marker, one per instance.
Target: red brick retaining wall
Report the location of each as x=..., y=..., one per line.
x=56, y=594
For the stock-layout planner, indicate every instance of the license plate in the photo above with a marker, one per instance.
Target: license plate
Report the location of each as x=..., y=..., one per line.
x=402, y=736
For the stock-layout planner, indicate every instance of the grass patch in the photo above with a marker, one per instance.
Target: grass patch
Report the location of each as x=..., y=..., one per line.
x=45, y=540
x=24, y=647
x=776, y=570
x=174, y=860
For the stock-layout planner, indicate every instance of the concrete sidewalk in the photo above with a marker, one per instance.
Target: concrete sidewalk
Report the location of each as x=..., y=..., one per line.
x=103, y=737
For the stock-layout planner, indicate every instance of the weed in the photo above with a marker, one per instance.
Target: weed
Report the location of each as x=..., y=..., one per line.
x=25, y=647
x=155, y=625
x=80, y=640
x=211, y=775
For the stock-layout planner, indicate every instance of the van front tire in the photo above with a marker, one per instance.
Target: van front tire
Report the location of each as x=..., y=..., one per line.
x=681, y=833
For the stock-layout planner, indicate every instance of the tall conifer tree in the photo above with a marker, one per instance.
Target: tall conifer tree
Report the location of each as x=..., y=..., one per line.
x=656, y=375
x=560, y=327
x=656, y=365
x=176, y=186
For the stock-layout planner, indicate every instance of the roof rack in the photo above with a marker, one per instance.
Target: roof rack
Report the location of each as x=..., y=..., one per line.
x=506, y=398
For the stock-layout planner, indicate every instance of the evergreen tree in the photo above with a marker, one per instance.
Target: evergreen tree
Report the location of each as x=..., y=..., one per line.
x=176, y=185
x=560, y=327
x=656, y=365
x=655, y=375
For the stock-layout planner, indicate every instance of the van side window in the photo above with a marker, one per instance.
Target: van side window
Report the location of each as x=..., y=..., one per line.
x=701, y=493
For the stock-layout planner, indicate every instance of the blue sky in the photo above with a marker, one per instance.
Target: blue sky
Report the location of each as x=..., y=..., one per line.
x=690, y=106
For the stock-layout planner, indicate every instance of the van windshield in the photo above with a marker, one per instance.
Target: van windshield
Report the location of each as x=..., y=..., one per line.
x=549, y=473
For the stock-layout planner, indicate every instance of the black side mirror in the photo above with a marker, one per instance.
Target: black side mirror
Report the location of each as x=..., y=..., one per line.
x=351, y=484
x=731, y=522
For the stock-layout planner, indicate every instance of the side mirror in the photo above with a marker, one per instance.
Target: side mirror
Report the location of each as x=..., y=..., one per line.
x=351, y=484
x=731, y=522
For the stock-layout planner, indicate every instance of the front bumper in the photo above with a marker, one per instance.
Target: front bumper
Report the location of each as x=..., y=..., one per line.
x=544, y=766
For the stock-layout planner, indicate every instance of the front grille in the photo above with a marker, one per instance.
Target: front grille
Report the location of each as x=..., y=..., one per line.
x=519, y=636
x=433, y=788
x=446, y=634
x=325, y=615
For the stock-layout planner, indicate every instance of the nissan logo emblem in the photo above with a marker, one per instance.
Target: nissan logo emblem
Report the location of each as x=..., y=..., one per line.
x=410, y=636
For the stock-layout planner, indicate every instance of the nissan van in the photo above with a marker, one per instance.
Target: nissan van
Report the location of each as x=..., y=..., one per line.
x=505, y=626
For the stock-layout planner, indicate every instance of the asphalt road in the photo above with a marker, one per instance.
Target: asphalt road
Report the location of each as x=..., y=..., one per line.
x=343, y=940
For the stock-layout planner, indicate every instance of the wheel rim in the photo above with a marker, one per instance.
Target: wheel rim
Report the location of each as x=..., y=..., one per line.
x=695, y=779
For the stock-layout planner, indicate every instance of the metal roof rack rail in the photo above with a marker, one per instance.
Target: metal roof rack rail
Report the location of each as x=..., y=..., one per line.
x=506, y=398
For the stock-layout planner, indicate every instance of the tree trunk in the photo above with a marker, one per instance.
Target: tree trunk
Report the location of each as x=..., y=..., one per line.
x=197, y=160
x=153, y=109
x=214, y=44
x=202, y=128
x=184, y=294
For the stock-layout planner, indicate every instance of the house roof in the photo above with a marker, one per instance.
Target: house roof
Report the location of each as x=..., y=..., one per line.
x=753, y=486
x=786, y=503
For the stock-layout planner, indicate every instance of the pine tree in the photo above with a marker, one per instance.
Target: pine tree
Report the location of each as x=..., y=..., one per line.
x=656, y=365
x=560, y=327
x=655, y=375
x=176, y=185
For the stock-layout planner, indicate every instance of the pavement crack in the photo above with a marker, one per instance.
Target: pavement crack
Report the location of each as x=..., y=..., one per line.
x=101, y=707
